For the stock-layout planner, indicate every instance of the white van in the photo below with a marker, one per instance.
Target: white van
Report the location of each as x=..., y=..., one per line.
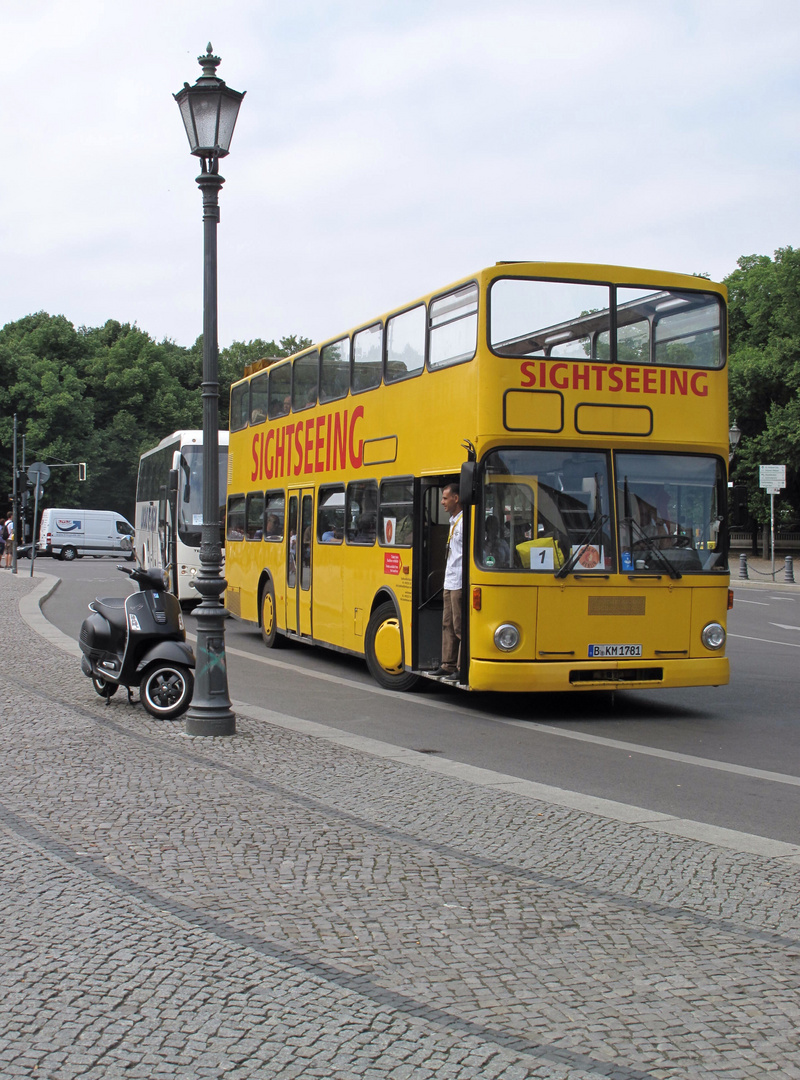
x=71, y=534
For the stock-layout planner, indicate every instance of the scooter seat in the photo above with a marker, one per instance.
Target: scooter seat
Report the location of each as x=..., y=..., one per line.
x=113, y=609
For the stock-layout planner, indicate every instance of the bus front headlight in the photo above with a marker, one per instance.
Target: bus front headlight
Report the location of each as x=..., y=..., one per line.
x=713, y=636
x=506, y=637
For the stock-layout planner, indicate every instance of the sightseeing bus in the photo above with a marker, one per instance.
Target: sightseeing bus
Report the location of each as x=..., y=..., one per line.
x=169, y=508
x=583, y=411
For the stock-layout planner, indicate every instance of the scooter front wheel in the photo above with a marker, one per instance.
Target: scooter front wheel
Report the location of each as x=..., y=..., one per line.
x=166, y=690
x=103, y=687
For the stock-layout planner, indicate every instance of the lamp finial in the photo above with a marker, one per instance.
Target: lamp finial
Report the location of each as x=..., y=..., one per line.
x=209, y=63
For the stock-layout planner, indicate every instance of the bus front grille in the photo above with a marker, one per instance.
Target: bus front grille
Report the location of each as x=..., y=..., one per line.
x=617, y=675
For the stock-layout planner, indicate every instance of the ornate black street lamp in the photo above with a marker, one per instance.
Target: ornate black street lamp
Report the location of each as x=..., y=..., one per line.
x=209, y=110
x=734, y=435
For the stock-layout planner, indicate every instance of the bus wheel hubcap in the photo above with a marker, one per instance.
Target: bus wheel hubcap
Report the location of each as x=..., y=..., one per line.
x=389, y=647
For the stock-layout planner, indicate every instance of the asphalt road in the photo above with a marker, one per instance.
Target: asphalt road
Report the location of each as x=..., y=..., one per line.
x=725, y=756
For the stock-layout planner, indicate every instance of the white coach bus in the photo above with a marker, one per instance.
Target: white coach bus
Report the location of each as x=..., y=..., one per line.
x=169, y=510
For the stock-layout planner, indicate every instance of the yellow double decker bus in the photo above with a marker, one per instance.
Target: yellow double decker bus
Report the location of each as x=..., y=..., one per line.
x=583, y=412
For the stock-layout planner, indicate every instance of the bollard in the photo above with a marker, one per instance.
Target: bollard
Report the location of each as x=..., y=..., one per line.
x=743, y=576
x=788, y=576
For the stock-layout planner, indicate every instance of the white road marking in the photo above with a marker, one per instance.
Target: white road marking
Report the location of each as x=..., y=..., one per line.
x=669, y=755
x=766, y=641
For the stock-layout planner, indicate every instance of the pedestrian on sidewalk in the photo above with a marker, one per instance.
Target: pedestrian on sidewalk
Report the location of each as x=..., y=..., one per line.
x=8, y=537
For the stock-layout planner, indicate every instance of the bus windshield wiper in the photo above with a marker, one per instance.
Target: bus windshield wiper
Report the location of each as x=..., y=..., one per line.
x=653, y=548
x=590, y=538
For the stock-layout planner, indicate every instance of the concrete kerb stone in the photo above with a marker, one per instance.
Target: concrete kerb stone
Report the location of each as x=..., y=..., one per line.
x=702, y=832
x=30, y=608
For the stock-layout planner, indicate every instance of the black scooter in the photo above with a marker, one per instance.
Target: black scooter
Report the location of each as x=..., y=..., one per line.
x=140, y=640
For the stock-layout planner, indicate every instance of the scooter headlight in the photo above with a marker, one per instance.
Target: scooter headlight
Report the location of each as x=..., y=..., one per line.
x=713, y=636
x=134, y=622
x=506, y=637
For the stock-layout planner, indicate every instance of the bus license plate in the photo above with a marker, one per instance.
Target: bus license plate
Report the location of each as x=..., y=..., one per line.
x=614, y=652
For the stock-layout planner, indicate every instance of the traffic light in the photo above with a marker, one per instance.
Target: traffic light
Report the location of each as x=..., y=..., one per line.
x=81, y=470
x=738, y=506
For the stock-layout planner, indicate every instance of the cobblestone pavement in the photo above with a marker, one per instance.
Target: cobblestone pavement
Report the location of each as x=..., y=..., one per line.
x=276, y=905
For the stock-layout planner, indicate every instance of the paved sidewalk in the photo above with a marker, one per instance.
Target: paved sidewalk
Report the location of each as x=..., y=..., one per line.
x=760, y=572
x=282, y=905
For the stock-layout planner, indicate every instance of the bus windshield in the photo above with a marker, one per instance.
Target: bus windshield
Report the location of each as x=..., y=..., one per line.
x=541, y=508
x=669, y=515
x=190, y=489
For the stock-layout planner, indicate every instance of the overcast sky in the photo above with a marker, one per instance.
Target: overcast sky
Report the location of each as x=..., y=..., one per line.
x=385, y=149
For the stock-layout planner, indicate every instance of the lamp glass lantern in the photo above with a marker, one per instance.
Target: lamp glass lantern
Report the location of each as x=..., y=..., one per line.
x=209, y=110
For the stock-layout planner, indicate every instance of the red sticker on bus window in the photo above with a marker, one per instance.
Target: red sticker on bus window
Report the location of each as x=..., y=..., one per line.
x=391, y=562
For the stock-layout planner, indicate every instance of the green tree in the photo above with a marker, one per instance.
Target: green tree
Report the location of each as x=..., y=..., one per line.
x=233, y=360
x=104, y=395
x=764, y=324
x=41, y=358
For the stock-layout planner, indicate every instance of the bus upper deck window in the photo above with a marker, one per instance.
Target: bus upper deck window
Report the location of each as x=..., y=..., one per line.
x=280, y=390
x=305, y=381
x=405, y=344
x=334, y=373
x=685, y=327
x=367, y=358
x=240, y=411
x=453, y=327
x=530, y=317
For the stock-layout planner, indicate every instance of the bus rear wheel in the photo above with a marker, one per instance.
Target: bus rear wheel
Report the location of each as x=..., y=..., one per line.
x=383, y=646
x=269, y=623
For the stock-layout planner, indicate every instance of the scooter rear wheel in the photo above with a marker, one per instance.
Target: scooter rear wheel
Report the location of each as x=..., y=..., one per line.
x=166, y=690
x=103, y=688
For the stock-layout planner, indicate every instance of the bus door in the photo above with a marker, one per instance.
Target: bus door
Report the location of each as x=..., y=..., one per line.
x=300, y=527
x=430, y=558
x=168, y=529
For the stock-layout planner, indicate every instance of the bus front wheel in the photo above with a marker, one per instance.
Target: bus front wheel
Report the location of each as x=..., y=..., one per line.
x=383, y=646
x=269, y=623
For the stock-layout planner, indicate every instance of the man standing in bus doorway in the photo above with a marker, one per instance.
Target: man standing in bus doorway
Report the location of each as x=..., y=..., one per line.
x=451, y=616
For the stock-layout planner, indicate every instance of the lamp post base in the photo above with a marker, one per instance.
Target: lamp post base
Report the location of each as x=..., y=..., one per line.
x=223, y=724
x=210, y=712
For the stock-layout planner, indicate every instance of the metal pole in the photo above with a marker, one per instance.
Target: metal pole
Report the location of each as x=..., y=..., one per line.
x=14, y=504
x=37, y=474
x=210, y=712
x=772, y=529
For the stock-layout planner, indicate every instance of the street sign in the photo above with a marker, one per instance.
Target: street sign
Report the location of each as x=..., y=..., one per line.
x=38, y=473
x=773, y=489
x=772, y=476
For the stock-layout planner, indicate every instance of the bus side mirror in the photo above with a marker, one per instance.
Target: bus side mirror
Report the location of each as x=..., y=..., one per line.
x=173, y=480
x=466, y=486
